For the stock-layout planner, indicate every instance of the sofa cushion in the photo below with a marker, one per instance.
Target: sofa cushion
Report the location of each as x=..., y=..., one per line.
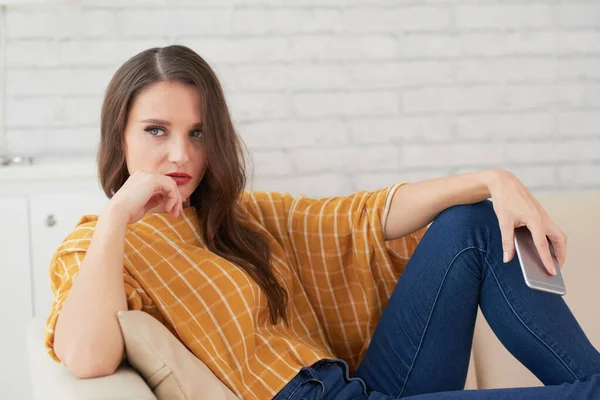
x=167, y=366
x=53, y=381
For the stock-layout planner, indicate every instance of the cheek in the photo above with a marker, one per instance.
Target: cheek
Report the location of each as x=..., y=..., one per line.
x=141, y=156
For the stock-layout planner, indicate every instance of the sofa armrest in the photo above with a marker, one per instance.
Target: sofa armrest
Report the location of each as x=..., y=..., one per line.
x=53, y=381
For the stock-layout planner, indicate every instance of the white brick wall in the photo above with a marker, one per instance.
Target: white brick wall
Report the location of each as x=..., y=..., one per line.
x=336, y=96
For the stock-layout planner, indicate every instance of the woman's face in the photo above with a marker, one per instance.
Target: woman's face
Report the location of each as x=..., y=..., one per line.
x=163, y=134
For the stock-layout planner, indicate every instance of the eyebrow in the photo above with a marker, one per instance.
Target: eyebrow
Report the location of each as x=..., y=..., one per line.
x=167, y=123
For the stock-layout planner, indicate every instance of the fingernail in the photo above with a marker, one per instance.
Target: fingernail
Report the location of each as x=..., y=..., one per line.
x=554, y=271
x=505, y=257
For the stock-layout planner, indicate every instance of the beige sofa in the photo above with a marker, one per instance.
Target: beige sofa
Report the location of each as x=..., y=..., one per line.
x=578, y=214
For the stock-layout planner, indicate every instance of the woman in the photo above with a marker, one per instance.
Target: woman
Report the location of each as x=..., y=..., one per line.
x=287, y=298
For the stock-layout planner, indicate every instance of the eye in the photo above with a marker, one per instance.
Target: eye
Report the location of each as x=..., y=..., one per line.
x=154, y=129
x=196, y=133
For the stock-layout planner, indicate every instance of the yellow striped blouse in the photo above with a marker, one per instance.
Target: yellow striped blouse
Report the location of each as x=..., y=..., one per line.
x=329, y=254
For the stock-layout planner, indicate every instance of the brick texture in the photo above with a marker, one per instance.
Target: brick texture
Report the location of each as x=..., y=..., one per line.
x=336, y=96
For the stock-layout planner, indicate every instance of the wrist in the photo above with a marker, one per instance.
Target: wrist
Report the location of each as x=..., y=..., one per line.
x=491, y=179
x=113, y=212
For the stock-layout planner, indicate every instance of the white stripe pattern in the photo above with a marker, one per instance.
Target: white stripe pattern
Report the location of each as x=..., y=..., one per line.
x=329, y=253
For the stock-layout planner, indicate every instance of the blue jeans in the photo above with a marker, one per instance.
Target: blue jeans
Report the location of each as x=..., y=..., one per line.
x=421, y=346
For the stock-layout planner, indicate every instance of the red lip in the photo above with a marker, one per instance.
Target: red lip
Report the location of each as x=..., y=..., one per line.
x=180, y=178
x=179, y=175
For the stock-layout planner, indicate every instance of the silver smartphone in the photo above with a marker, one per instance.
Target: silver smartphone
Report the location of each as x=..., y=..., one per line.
x=535, y=274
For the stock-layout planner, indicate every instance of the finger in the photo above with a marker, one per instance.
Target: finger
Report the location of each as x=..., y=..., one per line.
x=169, y=187
x=507, y=231
x=541, y=243
x=175, y=210
x=155, y=200
x=171, y=205
x=559, y=250
x=177, y=207
x=179, y=204
x=559, y=245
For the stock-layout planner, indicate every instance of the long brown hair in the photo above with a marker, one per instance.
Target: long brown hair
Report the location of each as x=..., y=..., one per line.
x=216, y=197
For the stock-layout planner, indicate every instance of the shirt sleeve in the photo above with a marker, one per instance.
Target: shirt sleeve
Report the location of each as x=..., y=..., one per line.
x=64, y=267
x=346, y=267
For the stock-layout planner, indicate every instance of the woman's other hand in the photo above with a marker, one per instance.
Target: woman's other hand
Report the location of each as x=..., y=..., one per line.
x=515, y=206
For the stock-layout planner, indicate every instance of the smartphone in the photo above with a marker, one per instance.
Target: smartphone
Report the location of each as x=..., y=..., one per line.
x=535, y=274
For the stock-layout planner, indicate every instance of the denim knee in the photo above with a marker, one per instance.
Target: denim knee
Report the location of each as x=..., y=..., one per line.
x=477, y=215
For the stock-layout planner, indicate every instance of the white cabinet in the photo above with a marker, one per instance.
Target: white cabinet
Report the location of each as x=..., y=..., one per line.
x=15, y=297
x=39, y=206
x=53, y=216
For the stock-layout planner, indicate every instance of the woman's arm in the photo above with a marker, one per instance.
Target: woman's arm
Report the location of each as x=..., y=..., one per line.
x=87, y=336
x=415, y=205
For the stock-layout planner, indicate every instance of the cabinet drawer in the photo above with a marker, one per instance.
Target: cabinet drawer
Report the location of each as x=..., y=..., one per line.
x=15, y=297
x=52, y=217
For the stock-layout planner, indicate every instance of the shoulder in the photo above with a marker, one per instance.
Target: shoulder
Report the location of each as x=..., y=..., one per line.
x=265, y=203
x=85, y=227
x=78, y=239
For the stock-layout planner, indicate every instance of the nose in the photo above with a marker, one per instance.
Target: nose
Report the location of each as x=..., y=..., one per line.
x=179, y=153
